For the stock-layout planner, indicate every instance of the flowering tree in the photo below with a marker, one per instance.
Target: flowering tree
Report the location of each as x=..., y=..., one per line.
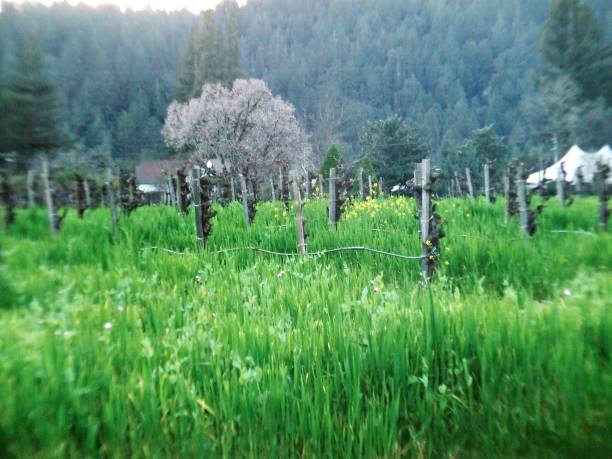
x=246, y=127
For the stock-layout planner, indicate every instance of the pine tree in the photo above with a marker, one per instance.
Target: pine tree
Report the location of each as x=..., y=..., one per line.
x=232, y=50
x=185, y=83
x=210, y=64
x=7, y=121
x=571, y=42
x=212, y=55
x=35, y=107
x=333, y=159
x=394, y=149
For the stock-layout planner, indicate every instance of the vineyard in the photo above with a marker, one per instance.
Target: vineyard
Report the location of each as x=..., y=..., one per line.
x=141, y=343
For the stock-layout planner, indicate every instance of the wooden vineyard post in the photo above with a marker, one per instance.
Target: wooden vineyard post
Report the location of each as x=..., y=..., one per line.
x=272, y=189
x=51, y=212
x=233, y=188
x=458, y=184
x=522, y=198
x=425, y=215
x=560, y=187
x=332, y=196
x=88, y=202
x=30, y=186
x=507, y=197
x=280, y=183
x=245, y=199
x=370, y=190
x=468, y=176
x=361, y=190
x=171, y=190
x=579, y=179
x=299, y=219
x=430, y=222
x=179, y=195
x=487, y=182
x=197, y=203
x=601, y=176
x=7, y=197
x=111, y=198
x=321, y=185
x=382, y=187
x=560, y=178
x=79, y=195
x=307, y=186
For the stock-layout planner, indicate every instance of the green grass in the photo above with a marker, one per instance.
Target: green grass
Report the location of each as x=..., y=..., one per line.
x=505, y=354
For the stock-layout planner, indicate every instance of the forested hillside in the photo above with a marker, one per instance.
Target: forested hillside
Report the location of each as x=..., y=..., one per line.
x=115, y=72
x=448, y=67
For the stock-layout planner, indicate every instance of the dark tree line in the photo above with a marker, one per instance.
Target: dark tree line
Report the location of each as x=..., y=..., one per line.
x=445, y=68
x=115, y=72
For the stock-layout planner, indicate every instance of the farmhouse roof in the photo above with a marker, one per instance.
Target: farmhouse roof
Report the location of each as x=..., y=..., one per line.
x=152, y=172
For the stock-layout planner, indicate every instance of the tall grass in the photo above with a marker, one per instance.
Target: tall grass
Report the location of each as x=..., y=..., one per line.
x=112, y=346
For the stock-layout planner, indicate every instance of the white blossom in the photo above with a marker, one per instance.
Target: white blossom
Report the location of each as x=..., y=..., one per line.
x=246, y=127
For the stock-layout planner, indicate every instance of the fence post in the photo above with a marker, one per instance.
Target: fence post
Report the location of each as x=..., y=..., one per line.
x=197, y=203
x=578, y=181
x=425, y=176
x=522, y=196
x=51, y=213
x=381, y=189
x=321, y=185
x=178, y=191
x=299, y=219
x=233, y=187
x=458, y=184
x=560, y=178
x=171, y=190
x=307, y=186
x=7, y=197
x=361, y=190
x=273, y=190
x=30, y=185
x=487, y=182
x=332, y=196
x=245, y=198
x=507, y=197
x=79, y=195
x=370, y=186
x=601, y=176
x=87, y=193
x=468, y=176
x=111, y=198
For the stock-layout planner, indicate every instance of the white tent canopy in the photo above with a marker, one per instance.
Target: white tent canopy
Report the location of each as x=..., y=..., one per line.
x=573, y=160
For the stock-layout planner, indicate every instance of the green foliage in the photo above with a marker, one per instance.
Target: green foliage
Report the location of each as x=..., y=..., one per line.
x=394, y=149
x=212, y=55
x=574, y=103
x=103, y=63
x=8, y=138
x=571, y=42
x=34, y=116
x=113, y=347
x=333, y=159
x=483, y=146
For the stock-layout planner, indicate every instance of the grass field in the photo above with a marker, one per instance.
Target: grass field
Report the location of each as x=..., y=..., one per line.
x=115, y=347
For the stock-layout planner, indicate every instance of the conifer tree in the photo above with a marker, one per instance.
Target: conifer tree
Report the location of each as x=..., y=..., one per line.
x=35, y=109
x=571, y=42
x=185, y=82
x=333, y=159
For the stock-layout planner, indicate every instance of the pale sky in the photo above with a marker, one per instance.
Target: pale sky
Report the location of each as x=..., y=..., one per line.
x=168, y=5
